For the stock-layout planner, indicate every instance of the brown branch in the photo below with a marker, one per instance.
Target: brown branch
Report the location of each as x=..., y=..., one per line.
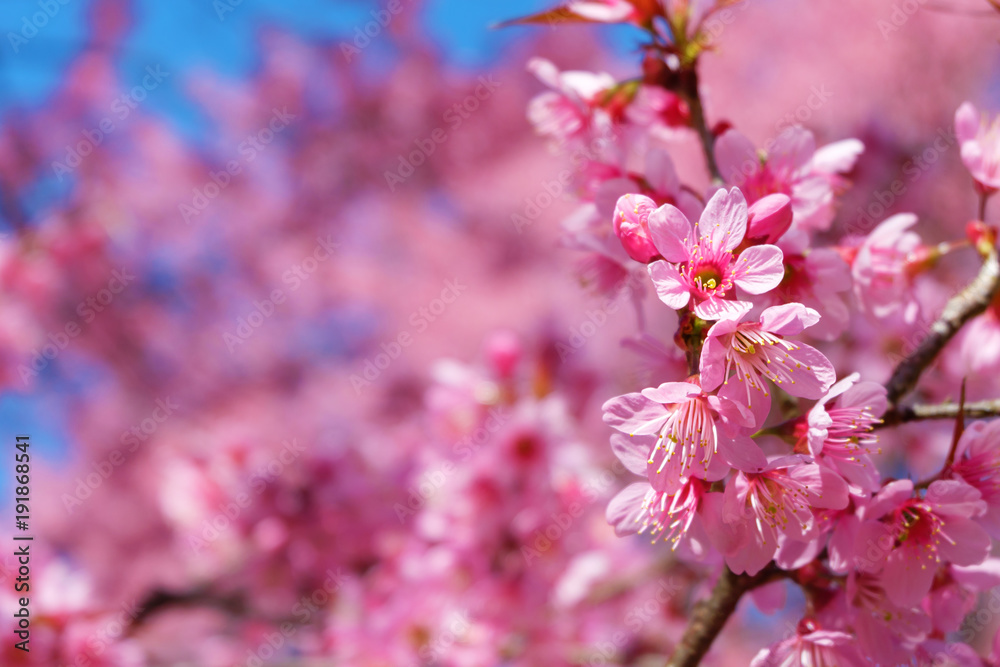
x=913, y=413
x=692, y=95
x=961, y=308
x=710, y=615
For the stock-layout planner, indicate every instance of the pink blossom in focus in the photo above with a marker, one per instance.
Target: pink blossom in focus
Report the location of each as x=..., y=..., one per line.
x=697, y=433
x=757, y=350
x=840, y=431
x=698, y=265
x=921, y=533
x=778, y=500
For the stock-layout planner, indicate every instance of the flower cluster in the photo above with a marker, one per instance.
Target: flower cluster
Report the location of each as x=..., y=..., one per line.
x=758, y=456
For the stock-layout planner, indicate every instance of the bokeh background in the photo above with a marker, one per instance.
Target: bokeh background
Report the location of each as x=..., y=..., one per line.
x=296, y=396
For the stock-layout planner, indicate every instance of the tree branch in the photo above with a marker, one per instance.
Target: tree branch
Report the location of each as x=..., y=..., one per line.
x=692, y=95
x=913, y=413
x=961, y=308
x=710, y=615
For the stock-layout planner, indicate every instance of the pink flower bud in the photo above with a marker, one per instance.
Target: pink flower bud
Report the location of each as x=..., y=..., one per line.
x=769, y=218
x=631, y=227
x=503, y=350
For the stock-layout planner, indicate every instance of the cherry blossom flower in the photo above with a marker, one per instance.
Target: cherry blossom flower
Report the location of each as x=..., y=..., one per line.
x=977, y=463
x=841, y=435
x=980, y=145
x=698, y=434
x=914, y=535
x=565, y=111
x=883, y=269
x=757, y=350
x=777, y=501
x=699, y=266
x=641, y=508
x=792, y=166
x=815, y=648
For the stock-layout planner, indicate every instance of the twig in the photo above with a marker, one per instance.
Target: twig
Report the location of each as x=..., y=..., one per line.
x=913, y=413
x=710, y=615
x=691, y=92
x=961, y=308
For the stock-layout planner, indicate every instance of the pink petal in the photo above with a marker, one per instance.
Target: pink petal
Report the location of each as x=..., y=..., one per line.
x=906, y=581
x=870, y=395
x=891, y=495
x=813, y=373
x=841, y=544
x=827, y=490
x=742, y=453
x=626, y=507
x=759, y=407
x=793, y=554
x=838, y=157
x=713, y=362
x=669, y=284
x=967, y=122
x=672, y=392
x=792, y=150
x=788, y=319
x=634, y=414
x=724, y=221
x=660, y=172
x=736, y=157
x=670, y=231
x=770, y=598
x=718, y=309
x=963, y=541
x=953, y=497
x=759, y=269
x=725, y=534
x=633, y=452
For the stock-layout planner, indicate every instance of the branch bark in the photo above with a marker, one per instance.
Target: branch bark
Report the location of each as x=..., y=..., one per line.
x=710, y=615
x=976, y=410
x=961, y=308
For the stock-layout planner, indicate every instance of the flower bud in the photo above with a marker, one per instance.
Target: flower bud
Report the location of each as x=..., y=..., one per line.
x=631, y=223
x=769, y=218
x=503, y=350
